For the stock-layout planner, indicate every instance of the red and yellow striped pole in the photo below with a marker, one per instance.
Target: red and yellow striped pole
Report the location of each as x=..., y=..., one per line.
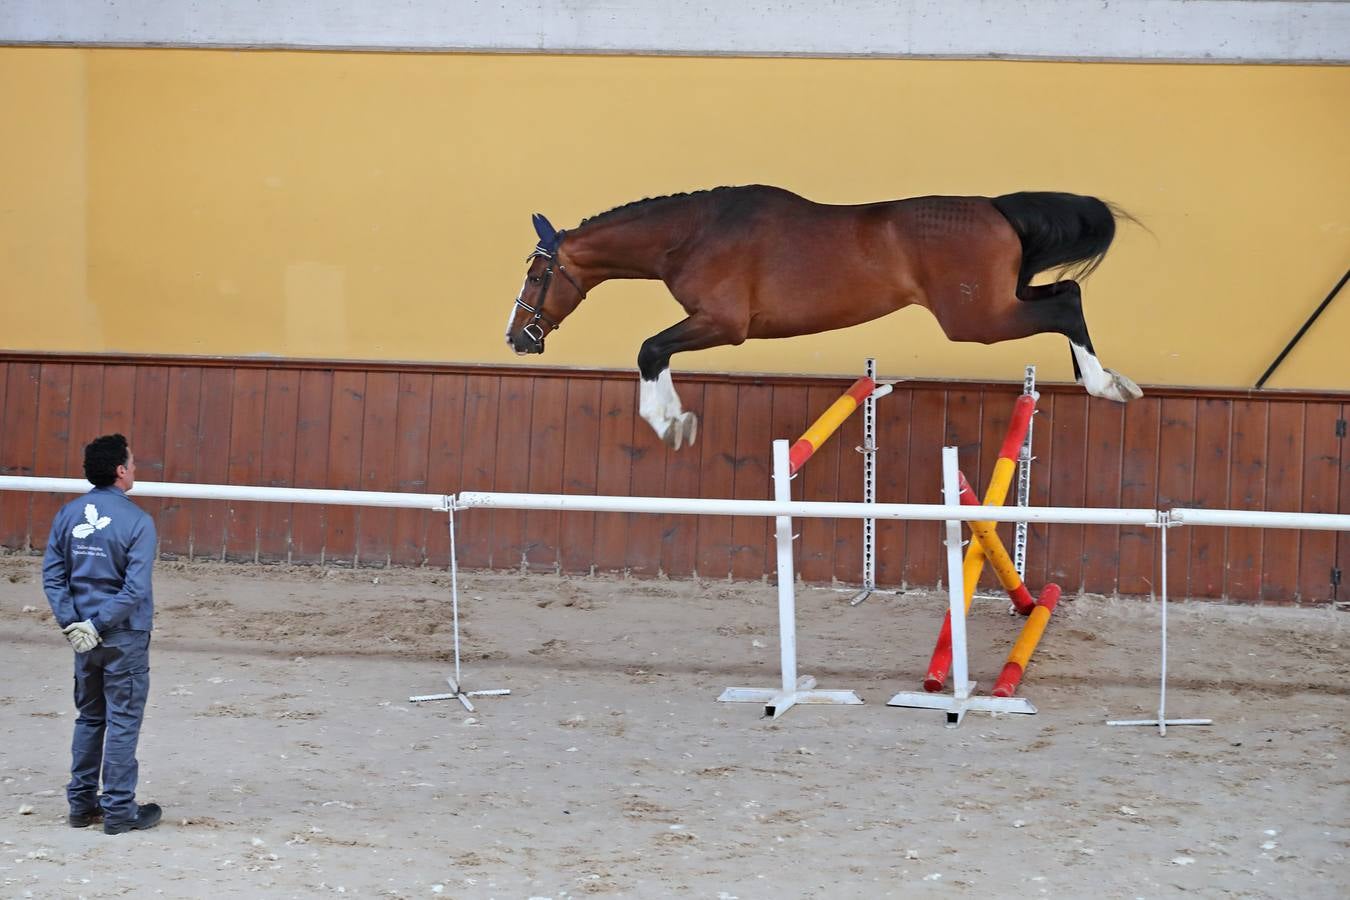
x=999, y=482
x=986, y=533
x=830, y=420
x=1026, y=642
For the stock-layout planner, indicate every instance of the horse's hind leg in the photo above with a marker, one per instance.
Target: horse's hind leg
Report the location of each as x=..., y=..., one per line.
x=659, y=404
x=1058, y=307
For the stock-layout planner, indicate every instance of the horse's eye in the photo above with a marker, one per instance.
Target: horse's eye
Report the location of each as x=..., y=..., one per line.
x=534, y=279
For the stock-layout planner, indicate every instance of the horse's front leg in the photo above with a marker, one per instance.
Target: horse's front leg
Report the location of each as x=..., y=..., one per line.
x=659, y=403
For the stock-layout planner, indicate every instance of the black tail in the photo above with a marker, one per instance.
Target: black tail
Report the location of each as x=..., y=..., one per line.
x=1064, y=231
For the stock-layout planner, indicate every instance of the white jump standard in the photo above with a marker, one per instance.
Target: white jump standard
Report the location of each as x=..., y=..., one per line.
x=793, y=690
x=962, y=698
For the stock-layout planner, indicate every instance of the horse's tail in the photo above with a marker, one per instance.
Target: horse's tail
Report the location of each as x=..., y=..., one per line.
x=1061, y=231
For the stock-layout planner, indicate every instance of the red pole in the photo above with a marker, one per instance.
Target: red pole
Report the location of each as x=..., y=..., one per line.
x=1026, y=643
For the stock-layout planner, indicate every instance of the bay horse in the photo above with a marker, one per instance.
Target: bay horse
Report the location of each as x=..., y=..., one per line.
x=762, y=262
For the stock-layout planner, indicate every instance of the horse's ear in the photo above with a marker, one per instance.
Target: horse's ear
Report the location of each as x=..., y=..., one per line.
x=548, y=235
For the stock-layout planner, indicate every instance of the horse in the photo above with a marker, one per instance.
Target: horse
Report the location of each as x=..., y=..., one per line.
x=762, y=262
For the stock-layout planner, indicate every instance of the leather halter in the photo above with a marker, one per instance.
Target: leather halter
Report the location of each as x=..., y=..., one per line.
x=532, y=329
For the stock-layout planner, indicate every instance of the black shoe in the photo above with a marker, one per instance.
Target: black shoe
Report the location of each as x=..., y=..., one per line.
x=147, y=816
x=84, y=820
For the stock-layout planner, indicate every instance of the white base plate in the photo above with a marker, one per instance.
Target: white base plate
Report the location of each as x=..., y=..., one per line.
x=957, y=707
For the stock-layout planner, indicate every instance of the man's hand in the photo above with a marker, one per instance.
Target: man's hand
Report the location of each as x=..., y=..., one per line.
x=82, y=636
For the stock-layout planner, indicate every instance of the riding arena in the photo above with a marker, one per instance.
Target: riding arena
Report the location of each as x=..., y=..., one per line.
x=804, y=536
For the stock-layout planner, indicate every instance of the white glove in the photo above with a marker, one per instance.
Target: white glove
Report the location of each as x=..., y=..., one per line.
x=82, y=636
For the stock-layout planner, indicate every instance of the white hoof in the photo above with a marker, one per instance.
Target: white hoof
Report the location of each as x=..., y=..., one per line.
x=1121, y=389
x=681, y=431
x=689, y=425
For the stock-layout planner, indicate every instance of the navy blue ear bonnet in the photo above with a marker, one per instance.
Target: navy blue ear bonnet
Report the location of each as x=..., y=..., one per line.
x=549, y=237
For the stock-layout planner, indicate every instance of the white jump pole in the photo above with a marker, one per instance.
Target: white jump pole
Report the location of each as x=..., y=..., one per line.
x=793, y=690
x=240, y=492
x=257, y=493
x=1162, y=721
x=962, y=698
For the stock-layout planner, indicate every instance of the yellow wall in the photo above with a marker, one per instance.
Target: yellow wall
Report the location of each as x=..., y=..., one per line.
x=377, y=205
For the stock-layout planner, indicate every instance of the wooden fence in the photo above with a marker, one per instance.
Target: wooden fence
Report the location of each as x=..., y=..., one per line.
x=442, y=429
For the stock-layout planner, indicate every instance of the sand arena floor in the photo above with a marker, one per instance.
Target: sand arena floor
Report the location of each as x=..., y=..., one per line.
x=281, y=742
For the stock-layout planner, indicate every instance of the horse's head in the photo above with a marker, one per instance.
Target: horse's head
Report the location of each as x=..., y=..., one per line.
x=542, y=305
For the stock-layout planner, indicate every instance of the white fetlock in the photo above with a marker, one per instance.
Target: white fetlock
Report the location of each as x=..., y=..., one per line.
x=660, y=406
x=1102, y=382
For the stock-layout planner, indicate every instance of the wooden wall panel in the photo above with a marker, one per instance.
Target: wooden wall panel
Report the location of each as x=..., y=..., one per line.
x=1285, y=431
x=1176, y=484
x=53, y=438
x=246, y=435
x=445, y=458
x=182, y=405
x=412, y=434
x=1246, y=490
x=614, y=470
x=379, y=442
x=1136, y=561
x=1101, y=489
x=344, y=464
x=924, y=559
x=1067, y=424
x=581, y=446
x=547, y=443
x=313, y=424
x=18, y=452
x=281, y=414
x=753, y=474
x=214, y=424
x=1322, y=450
x=650, y=463
x=892, y=465
x=119, y=400
x=444, y=429
x=717, y=479
x=1213, y=441
x=147, y=435
x=679, y=534
x=474, y=540
x=514, y=408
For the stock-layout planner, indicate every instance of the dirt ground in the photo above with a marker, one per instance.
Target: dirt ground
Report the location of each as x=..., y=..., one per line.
x=281, y=742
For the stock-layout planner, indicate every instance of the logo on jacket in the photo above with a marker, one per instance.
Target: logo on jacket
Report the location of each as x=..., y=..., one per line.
x=92, y=522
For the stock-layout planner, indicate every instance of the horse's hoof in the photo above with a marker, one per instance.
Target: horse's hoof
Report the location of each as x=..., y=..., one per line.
x=1123, y=390
x=688, y=423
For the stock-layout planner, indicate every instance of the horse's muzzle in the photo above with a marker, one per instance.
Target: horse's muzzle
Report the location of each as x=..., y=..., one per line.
x=525, y=344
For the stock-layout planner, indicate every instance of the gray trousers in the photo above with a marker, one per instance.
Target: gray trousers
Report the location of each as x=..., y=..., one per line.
x=112, y=682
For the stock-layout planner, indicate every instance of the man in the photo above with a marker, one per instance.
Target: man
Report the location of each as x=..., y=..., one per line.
x=96, y=574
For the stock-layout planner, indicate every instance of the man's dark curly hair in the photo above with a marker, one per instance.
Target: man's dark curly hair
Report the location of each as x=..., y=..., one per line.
x=102, y=456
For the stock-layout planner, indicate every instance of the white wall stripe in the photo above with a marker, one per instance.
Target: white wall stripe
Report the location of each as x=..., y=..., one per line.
x=1149, y=30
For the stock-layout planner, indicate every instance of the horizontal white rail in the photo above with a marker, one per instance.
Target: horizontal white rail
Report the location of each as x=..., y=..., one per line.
x=439, y=502
x=1244, y=518
x=701, y=506
x=803, y=509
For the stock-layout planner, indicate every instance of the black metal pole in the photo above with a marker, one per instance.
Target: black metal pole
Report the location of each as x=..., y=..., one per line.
x=1306, y=325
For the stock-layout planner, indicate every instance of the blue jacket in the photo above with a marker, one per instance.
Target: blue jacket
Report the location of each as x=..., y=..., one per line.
x=98, y=562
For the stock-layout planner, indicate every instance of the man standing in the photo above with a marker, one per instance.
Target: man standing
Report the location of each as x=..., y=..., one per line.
x=96, y=574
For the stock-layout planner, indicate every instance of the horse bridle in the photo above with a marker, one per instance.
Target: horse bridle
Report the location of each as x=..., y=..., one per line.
x=532, y=329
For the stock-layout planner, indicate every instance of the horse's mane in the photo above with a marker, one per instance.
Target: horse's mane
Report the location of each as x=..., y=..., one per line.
x=646, y=200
